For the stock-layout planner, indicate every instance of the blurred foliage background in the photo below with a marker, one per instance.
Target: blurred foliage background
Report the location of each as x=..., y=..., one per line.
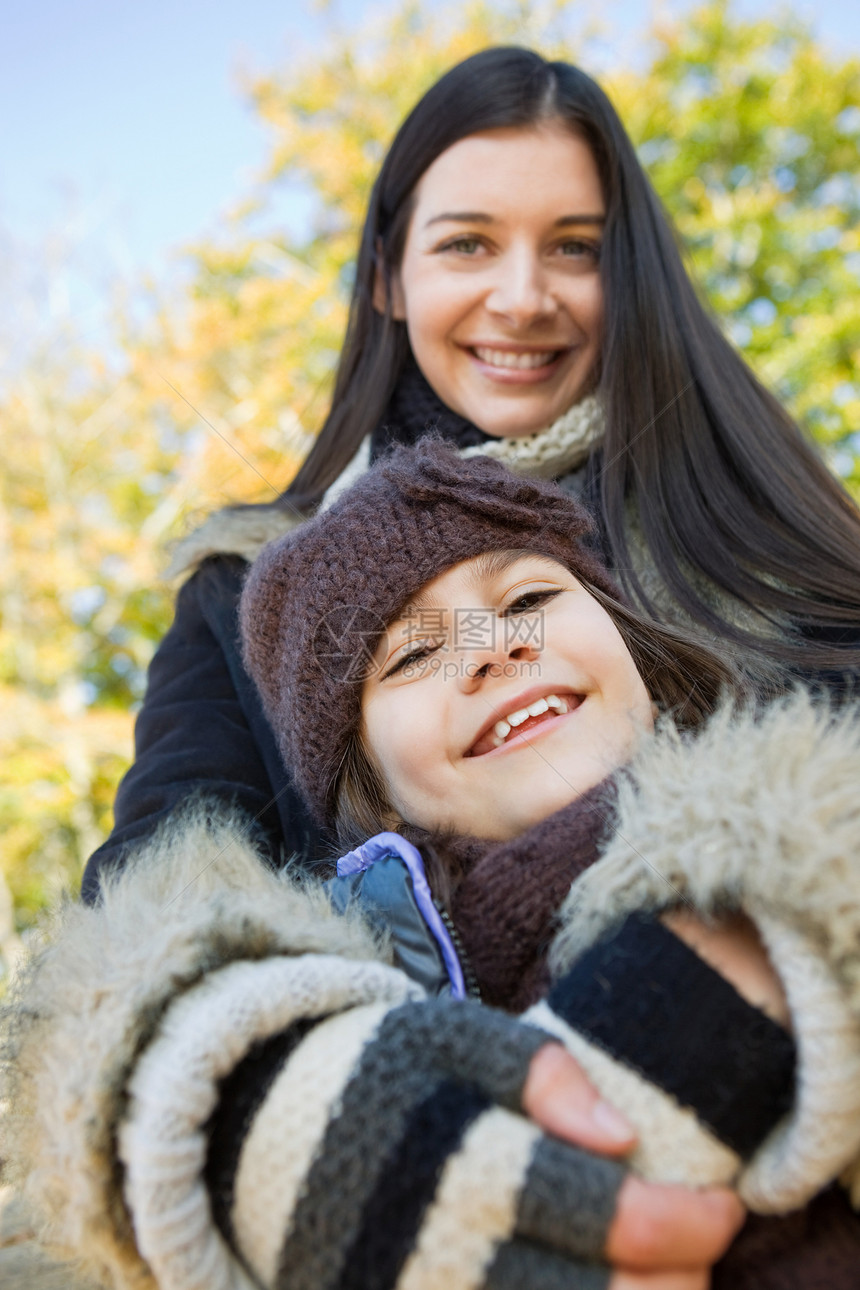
x=751, y=135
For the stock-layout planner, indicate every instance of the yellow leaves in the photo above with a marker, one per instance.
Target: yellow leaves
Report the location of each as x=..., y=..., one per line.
x=60, y=767
x=742, y=126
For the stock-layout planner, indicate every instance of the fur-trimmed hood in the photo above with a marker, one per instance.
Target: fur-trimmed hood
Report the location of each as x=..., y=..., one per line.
x=235, y=530
x=197, y=898
x=759, y=810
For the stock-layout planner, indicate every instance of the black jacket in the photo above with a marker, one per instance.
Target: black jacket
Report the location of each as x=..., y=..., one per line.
x=202, y=730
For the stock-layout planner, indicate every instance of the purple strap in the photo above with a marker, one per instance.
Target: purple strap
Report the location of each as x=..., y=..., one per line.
x=383, y=844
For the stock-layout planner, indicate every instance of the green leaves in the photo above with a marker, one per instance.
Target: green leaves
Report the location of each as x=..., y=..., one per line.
x=752, y=138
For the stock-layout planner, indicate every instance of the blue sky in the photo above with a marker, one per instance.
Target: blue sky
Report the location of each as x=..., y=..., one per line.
x=125, y=134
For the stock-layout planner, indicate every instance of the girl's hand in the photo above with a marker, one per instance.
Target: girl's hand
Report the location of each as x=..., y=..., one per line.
x=662, y=1237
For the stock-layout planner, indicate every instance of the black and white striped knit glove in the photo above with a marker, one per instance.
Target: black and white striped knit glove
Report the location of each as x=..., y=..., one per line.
x=347, y=1144
x=704, y=1077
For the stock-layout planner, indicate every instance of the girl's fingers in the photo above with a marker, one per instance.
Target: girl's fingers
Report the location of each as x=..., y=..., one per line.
x=661, y=1237
x=662, y=1227
x=558, y=1096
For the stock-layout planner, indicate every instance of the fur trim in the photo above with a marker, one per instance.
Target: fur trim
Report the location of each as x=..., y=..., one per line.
x=196, y=898
x=239, y=530
x=350, y=475
x=231, y=531
x=758, y=812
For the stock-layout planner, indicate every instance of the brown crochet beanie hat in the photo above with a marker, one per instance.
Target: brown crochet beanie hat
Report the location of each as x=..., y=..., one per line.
x=317, y=600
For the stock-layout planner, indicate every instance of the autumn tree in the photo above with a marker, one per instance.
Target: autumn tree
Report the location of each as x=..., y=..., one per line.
x=751, y=134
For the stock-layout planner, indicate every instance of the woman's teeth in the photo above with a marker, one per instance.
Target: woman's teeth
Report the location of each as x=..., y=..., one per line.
x=522, y=360
x=503, y=728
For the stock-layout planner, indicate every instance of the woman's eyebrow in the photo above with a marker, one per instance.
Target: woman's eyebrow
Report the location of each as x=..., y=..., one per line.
x=566, y=220
x=461, y=217
x=480, y=217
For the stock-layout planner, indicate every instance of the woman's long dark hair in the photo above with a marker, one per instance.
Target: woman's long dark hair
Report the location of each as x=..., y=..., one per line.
x=726, y=489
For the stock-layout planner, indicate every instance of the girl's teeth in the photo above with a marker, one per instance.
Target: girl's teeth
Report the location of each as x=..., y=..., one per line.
x=508, y=358
x=536, y=709
x=503, y=728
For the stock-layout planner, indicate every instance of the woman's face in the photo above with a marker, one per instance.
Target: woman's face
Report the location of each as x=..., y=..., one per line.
x=499, y=695
x=499, y=285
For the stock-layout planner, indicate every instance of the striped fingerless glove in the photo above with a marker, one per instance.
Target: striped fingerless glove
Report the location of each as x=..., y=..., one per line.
x=360, y=1145
x=703, y=1076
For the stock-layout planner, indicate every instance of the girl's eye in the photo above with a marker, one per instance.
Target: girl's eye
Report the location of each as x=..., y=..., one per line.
x=413, y=658
x=531, y=600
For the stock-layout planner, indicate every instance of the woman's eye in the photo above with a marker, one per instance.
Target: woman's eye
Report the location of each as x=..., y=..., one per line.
x=413, y=658
x=530, y=600
x=462, y=245
x=576, y=249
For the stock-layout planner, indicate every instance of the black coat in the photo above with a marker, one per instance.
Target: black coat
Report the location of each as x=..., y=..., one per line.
x=202, y=730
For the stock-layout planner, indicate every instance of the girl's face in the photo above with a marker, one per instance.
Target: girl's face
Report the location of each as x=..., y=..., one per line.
x=499, y=695
x=499, y=285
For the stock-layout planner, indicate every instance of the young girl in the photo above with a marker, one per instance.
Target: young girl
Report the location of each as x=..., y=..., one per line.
x=220, y=1081
x=442, y=656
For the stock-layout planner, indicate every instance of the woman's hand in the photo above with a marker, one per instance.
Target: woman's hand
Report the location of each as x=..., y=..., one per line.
x=662, y=1237
x=734, y=948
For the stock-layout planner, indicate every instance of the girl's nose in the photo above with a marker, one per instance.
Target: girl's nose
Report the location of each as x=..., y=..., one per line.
x=515, y=645
x=522, y=290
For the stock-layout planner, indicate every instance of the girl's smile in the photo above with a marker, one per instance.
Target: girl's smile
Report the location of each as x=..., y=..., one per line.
x=501, y=693
x=529, y=715
x=499, y=285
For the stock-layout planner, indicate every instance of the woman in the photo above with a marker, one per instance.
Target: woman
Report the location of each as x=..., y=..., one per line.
x=557, y=279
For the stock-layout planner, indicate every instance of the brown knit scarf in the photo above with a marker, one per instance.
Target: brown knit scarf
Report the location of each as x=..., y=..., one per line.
x=504, y=897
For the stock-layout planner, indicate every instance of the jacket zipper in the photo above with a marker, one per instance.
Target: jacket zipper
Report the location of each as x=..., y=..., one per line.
x=469, y=979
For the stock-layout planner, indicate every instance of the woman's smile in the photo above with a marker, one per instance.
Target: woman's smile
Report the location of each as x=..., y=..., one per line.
x=513, y=365
x=499, y=285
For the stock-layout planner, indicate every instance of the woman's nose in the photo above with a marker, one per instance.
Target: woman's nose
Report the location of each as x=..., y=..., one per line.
x=522, y=289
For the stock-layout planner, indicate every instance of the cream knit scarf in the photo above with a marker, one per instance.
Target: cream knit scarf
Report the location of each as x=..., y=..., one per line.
x=546, y=454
